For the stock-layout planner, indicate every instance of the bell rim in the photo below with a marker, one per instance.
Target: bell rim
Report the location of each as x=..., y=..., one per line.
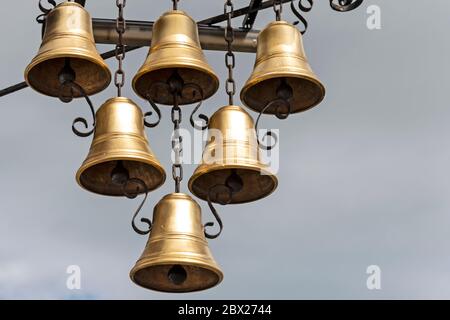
x=37, y=60
x=210, y=73
x=87, y=165
x=269, y=76
x=253, y=168
x=217, y=271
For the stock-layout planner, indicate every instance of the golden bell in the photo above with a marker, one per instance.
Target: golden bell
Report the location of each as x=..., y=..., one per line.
x=68, y=35
x=175, y=47
x=119, y=142
x=281, y=57
x=177, y=257
x=231, y=158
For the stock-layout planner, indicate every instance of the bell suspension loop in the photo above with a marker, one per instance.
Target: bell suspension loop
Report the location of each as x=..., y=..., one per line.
x=278, y=9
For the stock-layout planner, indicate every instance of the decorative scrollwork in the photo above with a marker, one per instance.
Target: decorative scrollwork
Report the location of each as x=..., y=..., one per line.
x=303, y=8
x=280, y=104
x=282, y=107
x=345, y=5
x=307, y=5
x=229, y=192
x=132, y=195
x=66, y=99
x=150, y=113
x=41, y=18
x=197, y=90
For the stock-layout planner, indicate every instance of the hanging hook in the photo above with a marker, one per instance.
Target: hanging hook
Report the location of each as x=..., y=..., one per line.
x=214, y=211
x=197, y=90
x=141, y=184
x=303, y=8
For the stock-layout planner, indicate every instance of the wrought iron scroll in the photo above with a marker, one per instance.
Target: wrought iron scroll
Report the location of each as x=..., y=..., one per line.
x=131, y=195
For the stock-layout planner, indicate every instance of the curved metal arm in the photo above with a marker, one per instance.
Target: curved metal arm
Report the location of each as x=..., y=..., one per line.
x=214, y=211
x=345, y=5
x=282, y=104
x=201, y=116
x=41, y=18
x=73, y=85
x=303, y=8
x=134, y=195
x=150, y=113
x=154, y=105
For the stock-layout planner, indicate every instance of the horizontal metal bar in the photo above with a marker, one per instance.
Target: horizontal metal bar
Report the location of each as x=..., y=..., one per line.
x=139, y=33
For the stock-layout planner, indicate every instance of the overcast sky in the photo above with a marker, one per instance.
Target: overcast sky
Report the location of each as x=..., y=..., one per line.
x=364, y=177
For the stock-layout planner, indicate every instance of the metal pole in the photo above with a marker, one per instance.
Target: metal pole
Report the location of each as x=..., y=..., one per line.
x=139, y=33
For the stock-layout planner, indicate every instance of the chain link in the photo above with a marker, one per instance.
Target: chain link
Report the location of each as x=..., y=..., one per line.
x=119, y=75
x=175, y=4
x=230, y=60
x=278, y=8
x=177, y=144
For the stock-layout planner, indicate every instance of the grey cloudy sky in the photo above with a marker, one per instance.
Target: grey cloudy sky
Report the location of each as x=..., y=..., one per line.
x=363, y=178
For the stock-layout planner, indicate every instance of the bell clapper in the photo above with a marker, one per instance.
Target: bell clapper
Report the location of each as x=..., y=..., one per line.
x=67, y=74
x=66, y=77
x=177, y=275
x=176, y=83
x=234, y=182
x=119, y=174
x=284, y=93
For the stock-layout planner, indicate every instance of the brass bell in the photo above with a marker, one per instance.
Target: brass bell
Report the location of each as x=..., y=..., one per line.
x=231, y=158
x=119, y=151
x=177, y=257
x=281, y=60
x=175, y=48
x=68, y=35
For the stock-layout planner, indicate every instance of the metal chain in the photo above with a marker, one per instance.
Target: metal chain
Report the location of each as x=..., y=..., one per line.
x=175, y=4
x=278, y=8
x=177, y=144
x=230, y=59
x=119, y=76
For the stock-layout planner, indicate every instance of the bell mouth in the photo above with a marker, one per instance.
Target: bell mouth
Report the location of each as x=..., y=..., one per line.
x=307, y=93
x=96, y=177
x=43, y=74
x=176, y=277
x=205, y=79
x=257, y=183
